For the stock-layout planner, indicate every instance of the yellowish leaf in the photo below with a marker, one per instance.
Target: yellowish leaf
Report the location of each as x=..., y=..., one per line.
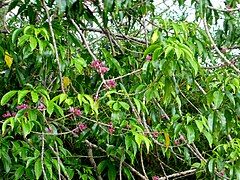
x=8, y=59
x=167, y=139
x=155, y=36
x=66, y=82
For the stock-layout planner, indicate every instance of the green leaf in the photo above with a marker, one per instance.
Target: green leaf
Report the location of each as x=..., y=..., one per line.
x=155, y=36
x=157, y=53
x=138, y=104
x=101, y=166
x=4, y=125
x=26, y=127
x=34, y=96
x=209, y=138
x=124, y=105
x=151, y=48
x=21, y=95
x=19, y=172
x=33, y=43
x=38, y=168
x=128, y=142
x=190, y=134
x=112, y=173
x=211, y=165
x=168, y=50
x=199, y=125
x=80, y=63
x=15, y=35
x=59, y=109
x=7, y=97
x=217, y=98
x=50, y=107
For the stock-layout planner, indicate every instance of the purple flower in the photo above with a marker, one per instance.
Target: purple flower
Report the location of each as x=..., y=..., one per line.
x=13, y=114
x=99, y=66
x=82, y=127
x=155, y=178
x=22, y=106
x=102, y=70
x=148, y=57
x=77, y=112
x=6, y=115
x=96, y=64
x=110, y=84
x=71, y=109
x=155, y=134
x=111, y=129
x=41, y=107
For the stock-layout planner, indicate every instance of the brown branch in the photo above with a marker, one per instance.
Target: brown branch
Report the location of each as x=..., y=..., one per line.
x=90, y=154
x=179, y=174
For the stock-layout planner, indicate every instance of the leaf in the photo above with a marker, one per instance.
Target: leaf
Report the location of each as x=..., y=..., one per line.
x=38, y=168
x=157, y=53
x=34, y=96
x=211, y=165
x=190, y=134
x=112, y=173
x=33, y=43
x=4, y=125
x=209, y=138
x=101, y=166
x=155, y=36
x=19, y=172
x=7, y=97
x=8, y=59
x=50, y=107
x=217, y=98
x=66, y=81
x=137, y=103
x=79, y=64
x=150, y=49
x=128, y=142
x=199, y=125
x=167, y=139
x=168, y=50
x=26, y=127
x=124, y=105
x=21, y=95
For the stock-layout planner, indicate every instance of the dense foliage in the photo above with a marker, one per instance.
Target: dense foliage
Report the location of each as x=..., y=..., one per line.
x=125, y=89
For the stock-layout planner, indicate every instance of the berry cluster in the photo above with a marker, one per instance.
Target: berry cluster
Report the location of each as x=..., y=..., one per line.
x=99, y=66
x=22, y=106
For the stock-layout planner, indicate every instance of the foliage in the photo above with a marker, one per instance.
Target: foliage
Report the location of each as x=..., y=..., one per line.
x=119, y=90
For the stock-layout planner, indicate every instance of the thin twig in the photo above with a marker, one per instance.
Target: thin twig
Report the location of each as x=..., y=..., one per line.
x=142, y=164
x=84, y=39
x=216, y=48
x=54, y=44
x=42, y=157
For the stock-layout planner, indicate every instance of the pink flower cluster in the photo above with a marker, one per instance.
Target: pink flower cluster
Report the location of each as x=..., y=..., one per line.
x=148, y=57
x=41, y=107
x=8, y=114
x=110, y=84
x=155, y=178
x=111, y=129
x=99, y=66
x=22, y=106
x=75, y=111
x=80, y=128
